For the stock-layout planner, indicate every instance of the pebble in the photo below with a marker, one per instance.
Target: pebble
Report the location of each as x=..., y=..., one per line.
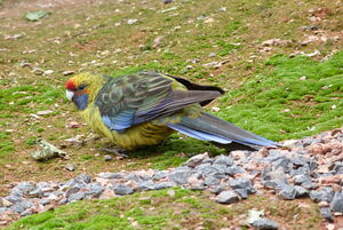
x=121, y=189
x=227, y=197
x=180, y=175
x=324, y=194
x=265, y=224
x=68, y=72
x=196, y=160
x=337, y=202
x=132, y=21
x=109, y=175
x=300, y=192
x=326, y=213
x=223, y=160
x=70, y=167
x=287, y=192
x=108, y=157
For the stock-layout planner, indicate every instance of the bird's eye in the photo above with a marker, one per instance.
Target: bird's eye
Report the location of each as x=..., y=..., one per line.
x=81, y=87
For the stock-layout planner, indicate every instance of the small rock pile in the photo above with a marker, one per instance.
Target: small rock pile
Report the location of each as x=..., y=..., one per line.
x=311, y=167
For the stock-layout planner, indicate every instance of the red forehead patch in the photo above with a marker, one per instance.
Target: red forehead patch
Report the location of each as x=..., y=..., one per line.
x=70, y=85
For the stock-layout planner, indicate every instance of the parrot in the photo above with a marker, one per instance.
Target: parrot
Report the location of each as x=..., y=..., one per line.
x=145, y=107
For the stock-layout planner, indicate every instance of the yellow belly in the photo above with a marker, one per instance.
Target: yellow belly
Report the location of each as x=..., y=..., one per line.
x=134, y=137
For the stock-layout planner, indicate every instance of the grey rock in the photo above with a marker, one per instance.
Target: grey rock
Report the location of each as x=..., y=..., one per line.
x=310, y=28
x=197, y=187
x=208, y=161
x=277, y=174
x=211, y=180
x=300, y=191
x=23, y=188
x=159, y=175
x=233, y=170
x=312, y=164
x=196, y=160
x=304, y=181
x=324, y=194
x=337, y=202
x=135, y=178
x=164, y=185
x=326, y=213
x=121, y=189
x=227, y=197
x=109, y=175
x=222, y=169
x=13, y=199
x=27, y=212
x=21, y=206
x=338, y=167
x=71, y=191
x=218, y=189
x=284, y=163
x=299, y=161
x=310, y=141
x=83, y=178
x=212, y=55
x=76, y=196
x=265, y=224
x=36, y=193
x=70, y=167
x=108, y=158
x=94, y=190
x=309, y=185
x=223, y=160
x=242, y=183
x=63, y=201
x=207, y=169
x=243, y=193
x=275, y=184
x=146, y=185
x=44, y=201
x=299, y=179
x=3, y=209
x=301, y=171
x=287, y=192
x=180, y=175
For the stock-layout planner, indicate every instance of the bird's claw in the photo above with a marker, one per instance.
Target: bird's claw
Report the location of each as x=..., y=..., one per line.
x=117, y=151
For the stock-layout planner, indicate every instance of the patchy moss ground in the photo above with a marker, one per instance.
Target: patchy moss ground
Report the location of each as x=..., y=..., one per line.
x=264, y=90
x=153, y=210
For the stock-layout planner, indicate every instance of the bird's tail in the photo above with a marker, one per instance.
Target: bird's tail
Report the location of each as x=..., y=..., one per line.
x=210, y=128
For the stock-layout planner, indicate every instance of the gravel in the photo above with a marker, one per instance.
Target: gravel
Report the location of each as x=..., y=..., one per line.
x=311, y=167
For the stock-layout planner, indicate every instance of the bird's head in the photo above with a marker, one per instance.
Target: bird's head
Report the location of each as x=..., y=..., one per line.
x=82, y=89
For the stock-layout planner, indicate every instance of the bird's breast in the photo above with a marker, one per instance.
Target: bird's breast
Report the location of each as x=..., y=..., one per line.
x=149, y=133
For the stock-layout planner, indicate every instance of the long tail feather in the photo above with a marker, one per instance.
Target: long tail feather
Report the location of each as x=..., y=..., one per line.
x=210, y=128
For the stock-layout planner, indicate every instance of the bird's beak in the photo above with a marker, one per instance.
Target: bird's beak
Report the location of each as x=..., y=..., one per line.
x=69, y=95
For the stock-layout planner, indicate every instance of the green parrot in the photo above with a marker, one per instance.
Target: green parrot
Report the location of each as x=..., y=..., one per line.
x=144, y=108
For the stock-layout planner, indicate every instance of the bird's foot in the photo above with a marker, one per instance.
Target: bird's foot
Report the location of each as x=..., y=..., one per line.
x=122, y=153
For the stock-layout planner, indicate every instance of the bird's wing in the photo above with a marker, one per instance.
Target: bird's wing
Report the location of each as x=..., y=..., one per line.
x=144, y=96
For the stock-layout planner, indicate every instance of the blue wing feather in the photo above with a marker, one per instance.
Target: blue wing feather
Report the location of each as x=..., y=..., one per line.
x=199, y=134
x=120, y=121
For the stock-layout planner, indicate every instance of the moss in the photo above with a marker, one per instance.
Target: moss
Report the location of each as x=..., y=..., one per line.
x=279, y=105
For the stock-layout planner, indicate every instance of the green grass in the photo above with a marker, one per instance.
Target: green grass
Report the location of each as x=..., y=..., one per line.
x=153, y=210
x=17, y=99
x=6, y=145
x=279, y=105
